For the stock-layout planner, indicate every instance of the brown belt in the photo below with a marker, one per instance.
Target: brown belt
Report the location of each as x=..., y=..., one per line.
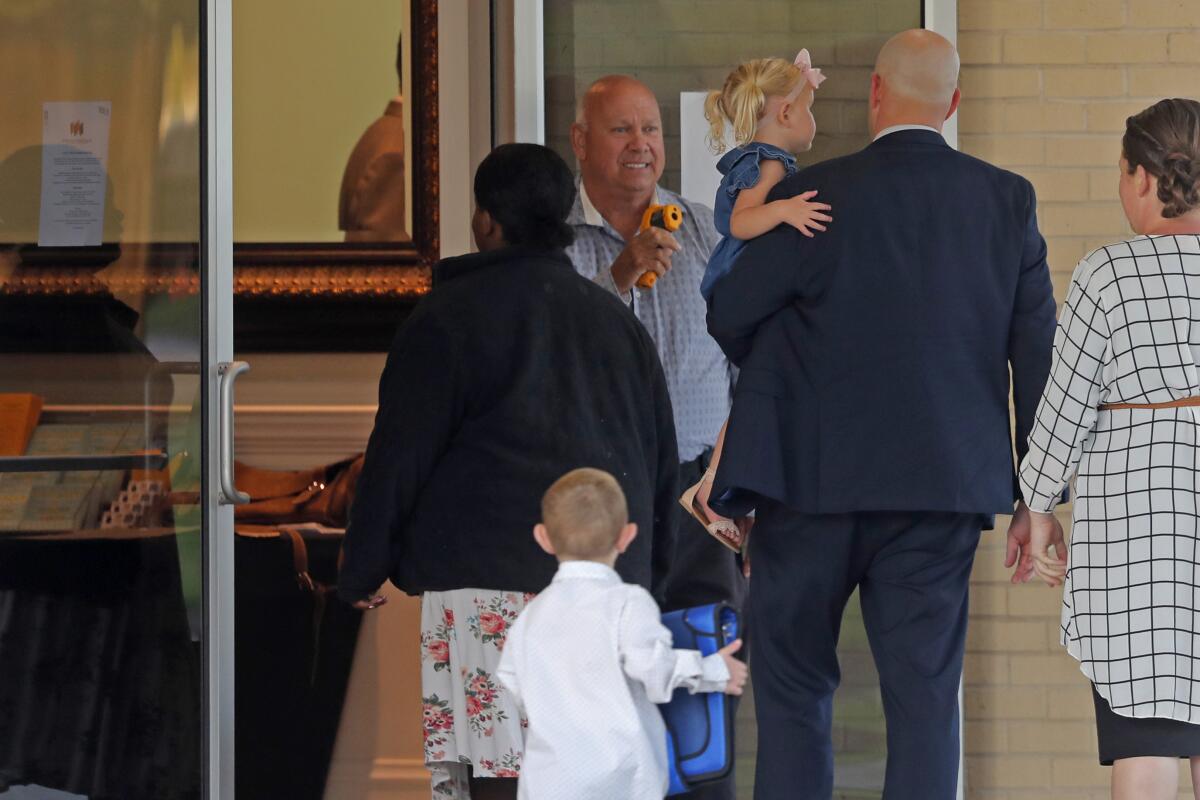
x=1185, y=402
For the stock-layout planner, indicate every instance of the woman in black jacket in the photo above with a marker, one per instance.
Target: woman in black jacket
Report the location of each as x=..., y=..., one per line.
x=513, y=371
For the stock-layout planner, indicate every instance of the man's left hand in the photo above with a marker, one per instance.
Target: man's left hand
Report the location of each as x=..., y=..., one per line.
x=1017, y=551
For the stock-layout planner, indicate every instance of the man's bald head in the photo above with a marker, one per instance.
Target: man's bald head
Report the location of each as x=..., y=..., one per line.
x=609, y=89
x=915, y=80
x=617, y=138
x=919, y=65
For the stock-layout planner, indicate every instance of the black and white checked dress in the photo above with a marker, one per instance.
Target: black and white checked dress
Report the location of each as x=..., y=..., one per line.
x=1129, y=332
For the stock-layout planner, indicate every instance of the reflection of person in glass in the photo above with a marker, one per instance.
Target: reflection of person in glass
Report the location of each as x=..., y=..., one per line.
x=371, y=206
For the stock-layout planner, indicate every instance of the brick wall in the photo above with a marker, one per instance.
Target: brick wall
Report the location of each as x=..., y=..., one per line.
x=1047, y=85
x=690, y=45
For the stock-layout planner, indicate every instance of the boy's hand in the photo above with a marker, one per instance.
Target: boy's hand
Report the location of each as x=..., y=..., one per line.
x=804, y=215
x=738, y=671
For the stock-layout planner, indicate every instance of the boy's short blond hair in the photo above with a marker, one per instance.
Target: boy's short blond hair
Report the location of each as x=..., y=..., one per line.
x=584, y=512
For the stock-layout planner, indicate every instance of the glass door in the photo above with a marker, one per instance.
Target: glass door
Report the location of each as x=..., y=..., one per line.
x=115, y=326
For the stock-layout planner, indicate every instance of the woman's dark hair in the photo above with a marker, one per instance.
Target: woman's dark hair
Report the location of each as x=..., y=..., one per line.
x=529, y=190
x=1165, y=141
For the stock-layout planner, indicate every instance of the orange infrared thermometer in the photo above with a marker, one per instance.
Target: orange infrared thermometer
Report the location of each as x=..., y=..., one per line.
x=667, y=217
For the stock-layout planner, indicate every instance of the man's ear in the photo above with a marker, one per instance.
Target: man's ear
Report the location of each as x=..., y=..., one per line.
x=542, y=537
x=876, y=96
x=628, y=534
x=578, y=140
x=954, y=101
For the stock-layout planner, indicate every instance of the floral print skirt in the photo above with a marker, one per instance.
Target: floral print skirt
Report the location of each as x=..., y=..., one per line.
x=471, y=725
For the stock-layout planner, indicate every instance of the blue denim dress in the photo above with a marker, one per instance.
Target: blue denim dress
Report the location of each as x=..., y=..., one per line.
x=741, y=168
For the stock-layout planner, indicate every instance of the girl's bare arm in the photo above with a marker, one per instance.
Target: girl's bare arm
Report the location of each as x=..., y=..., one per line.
x=752, y=215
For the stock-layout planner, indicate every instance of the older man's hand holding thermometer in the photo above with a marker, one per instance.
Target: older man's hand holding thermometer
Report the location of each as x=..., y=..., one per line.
x=666, y=217
x=647, y=254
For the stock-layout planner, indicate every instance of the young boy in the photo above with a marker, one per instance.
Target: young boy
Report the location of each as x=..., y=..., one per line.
x=589, y=657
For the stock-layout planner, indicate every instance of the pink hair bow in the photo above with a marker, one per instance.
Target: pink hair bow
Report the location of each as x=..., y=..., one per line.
x=811, y=74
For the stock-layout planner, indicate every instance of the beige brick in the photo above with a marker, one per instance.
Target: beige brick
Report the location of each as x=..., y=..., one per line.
x=1084, y=82
x=980, y=48
x=1043, y=48
x=1090, y=14
x=814, y=16
x=589, y=52
x=1126, y=48
x=1005, y=151
x=1051, y=737
x=696, y=50
x=1076, y=771
x=990, y=15
x=1081, y=151
x=1102, y=183
x=1158, y=82
x=1036, y=599
x=1173, y=14
x=1063, y=253
x=1105, y=117
x=1044, y=117
x=623, y=52
x=993, y=82
x=979, y=116
x=1071, y=703
x=897, y=16
x=989, y=566
x=1007, y=636
x=859, y=50
x=848, y=83
x=1185, y=47
x=988, y=600
x=1008, y=771
x=1004, y=702
x=986, y=736
x=1082, y=220
x=985, y=669
x=1057, y=669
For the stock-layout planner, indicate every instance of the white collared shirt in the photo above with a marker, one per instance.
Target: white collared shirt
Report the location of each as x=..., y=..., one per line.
x=593, y=217
x=586, y=661
x=896, y=128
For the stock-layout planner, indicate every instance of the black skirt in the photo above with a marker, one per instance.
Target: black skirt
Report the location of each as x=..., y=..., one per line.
x=1127, y=737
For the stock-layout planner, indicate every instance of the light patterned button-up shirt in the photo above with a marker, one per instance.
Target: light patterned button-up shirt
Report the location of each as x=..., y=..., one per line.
x=699, y=377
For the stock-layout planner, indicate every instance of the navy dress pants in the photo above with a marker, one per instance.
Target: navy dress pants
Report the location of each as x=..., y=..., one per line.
x=912, y=571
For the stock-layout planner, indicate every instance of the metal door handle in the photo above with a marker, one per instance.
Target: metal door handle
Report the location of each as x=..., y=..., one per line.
x=228, y=372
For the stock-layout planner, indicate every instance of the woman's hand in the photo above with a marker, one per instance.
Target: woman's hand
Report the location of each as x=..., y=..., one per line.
x=1048, y=548
x=370, y=603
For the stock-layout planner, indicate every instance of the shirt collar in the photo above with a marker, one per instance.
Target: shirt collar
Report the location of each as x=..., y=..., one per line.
x=593, y=217
x=586, y=570
x=896, y=128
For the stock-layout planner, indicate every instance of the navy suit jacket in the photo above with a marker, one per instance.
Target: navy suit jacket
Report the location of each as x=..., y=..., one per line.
x=875, y=356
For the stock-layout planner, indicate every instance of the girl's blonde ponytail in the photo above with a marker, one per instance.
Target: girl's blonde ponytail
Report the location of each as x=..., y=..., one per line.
x=744, y=97
x=714, y=112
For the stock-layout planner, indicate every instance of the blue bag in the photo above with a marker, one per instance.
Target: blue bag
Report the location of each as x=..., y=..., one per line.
x=699, y=726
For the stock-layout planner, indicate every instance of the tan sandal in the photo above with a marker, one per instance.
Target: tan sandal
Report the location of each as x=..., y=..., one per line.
x=723, y=530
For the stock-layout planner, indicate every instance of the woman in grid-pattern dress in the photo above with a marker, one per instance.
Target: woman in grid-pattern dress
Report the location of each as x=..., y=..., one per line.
x=1121, y=411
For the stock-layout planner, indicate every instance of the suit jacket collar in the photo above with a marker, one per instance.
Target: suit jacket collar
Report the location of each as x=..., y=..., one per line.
x=450, y=269
x=910, y=138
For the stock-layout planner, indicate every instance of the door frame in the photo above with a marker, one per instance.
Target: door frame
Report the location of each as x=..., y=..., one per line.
x=216, y=289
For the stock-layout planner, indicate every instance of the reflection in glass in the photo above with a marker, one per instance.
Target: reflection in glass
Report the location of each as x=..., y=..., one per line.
x=100, y=689
x=302, y=100
x=691, y=47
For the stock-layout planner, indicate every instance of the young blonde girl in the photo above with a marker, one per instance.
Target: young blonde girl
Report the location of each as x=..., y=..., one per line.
x=768, y=104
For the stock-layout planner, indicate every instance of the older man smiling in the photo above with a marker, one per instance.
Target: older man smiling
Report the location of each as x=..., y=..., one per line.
x=618, y=141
